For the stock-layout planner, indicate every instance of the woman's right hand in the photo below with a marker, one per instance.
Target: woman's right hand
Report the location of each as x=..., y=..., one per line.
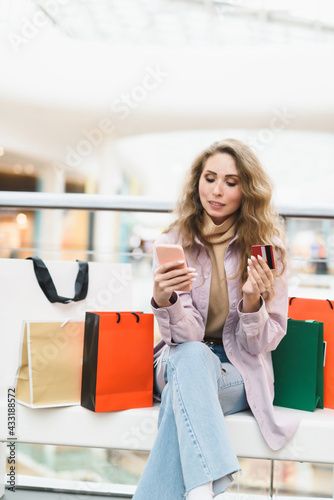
x=168, y=278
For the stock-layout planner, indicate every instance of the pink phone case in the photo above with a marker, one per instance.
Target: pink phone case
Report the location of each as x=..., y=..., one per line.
x=266, y=251
x=169, y=253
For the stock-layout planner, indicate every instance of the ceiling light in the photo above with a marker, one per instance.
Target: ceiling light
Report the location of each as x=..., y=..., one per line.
x=17, y=168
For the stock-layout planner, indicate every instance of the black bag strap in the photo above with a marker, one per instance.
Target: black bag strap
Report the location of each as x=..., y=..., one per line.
x=134, y=314
x=329, y=302
x=45, y=282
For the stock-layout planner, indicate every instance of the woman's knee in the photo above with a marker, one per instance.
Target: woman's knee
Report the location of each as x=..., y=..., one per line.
x=191, y=349
x=192, y=354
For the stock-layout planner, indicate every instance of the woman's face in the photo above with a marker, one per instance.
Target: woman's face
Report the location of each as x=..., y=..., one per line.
x=219, y=187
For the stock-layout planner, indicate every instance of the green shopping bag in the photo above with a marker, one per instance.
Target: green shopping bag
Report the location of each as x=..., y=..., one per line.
x=298, y=366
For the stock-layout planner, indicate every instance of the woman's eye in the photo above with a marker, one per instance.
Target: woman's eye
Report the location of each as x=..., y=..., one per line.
x=231, y=184
x=208, y=179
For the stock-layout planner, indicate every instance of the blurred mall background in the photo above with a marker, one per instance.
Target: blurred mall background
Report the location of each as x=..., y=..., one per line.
x=117, y=97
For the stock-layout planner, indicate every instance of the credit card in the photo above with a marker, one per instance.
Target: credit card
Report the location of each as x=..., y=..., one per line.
x=266, y=252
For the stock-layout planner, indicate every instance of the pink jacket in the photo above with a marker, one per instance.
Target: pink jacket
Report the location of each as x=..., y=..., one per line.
x=248, y=338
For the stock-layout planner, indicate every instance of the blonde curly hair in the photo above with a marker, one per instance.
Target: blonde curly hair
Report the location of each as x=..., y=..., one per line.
x=258, y=222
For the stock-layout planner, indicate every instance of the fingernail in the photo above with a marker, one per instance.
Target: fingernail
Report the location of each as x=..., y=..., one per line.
x=193, y=279
x=191, y=269
x=253, y=258
x=193, y=274
x=248, y=268
x=180, y=261
x=249, y=261
x=259, y=257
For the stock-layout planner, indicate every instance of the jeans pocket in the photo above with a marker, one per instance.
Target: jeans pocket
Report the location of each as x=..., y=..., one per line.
x=232, y=395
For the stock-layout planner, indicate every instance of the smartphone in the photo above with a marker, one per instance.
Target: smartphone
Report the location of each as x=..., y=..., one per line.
x=266, y=251
x=169, y=253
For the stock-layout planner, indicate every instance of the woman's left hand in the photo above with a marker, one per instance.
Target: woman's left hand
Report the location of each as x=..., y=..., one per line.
x=260, y=280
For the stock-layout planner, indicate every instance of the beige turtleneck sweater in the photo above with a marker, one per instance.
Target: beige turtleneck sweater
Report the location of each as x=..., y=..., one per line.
x=217, y=238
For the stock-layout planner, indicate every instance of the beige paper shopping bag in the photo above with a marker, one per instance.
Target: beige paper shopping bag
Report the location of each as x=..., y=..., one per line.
x=51, y=364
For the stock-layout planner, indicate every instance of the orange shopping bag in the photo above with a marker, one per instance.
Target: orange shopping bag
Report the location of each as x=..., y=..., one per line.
x=319, y=310
x=117, y=371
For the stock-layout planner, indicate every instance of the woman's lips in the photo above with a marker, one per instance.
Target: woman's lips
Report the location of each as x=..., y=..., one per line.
x=215, y=204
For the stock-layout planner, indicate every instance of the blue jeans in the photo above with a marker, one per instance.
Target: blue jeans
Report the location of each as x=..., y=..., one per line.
x=193, y=446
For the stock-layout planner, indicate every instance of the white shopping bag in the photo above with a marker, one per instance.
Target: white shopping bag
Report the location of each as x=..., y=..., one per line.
x=22, y=300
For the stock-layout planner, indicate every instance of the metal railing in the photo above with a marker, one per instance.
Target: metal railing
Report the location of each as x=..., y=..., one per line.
x=35, y=201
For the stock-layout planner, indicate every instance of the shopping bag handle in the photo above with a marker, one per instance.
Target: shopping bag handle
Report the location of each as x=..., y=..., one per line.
x=134, y=314
x=45, y=282
x=329, y=302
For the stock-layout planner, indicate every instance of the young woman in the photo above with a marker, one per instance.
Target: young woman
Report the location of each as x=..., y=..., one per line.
x=214, y=358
